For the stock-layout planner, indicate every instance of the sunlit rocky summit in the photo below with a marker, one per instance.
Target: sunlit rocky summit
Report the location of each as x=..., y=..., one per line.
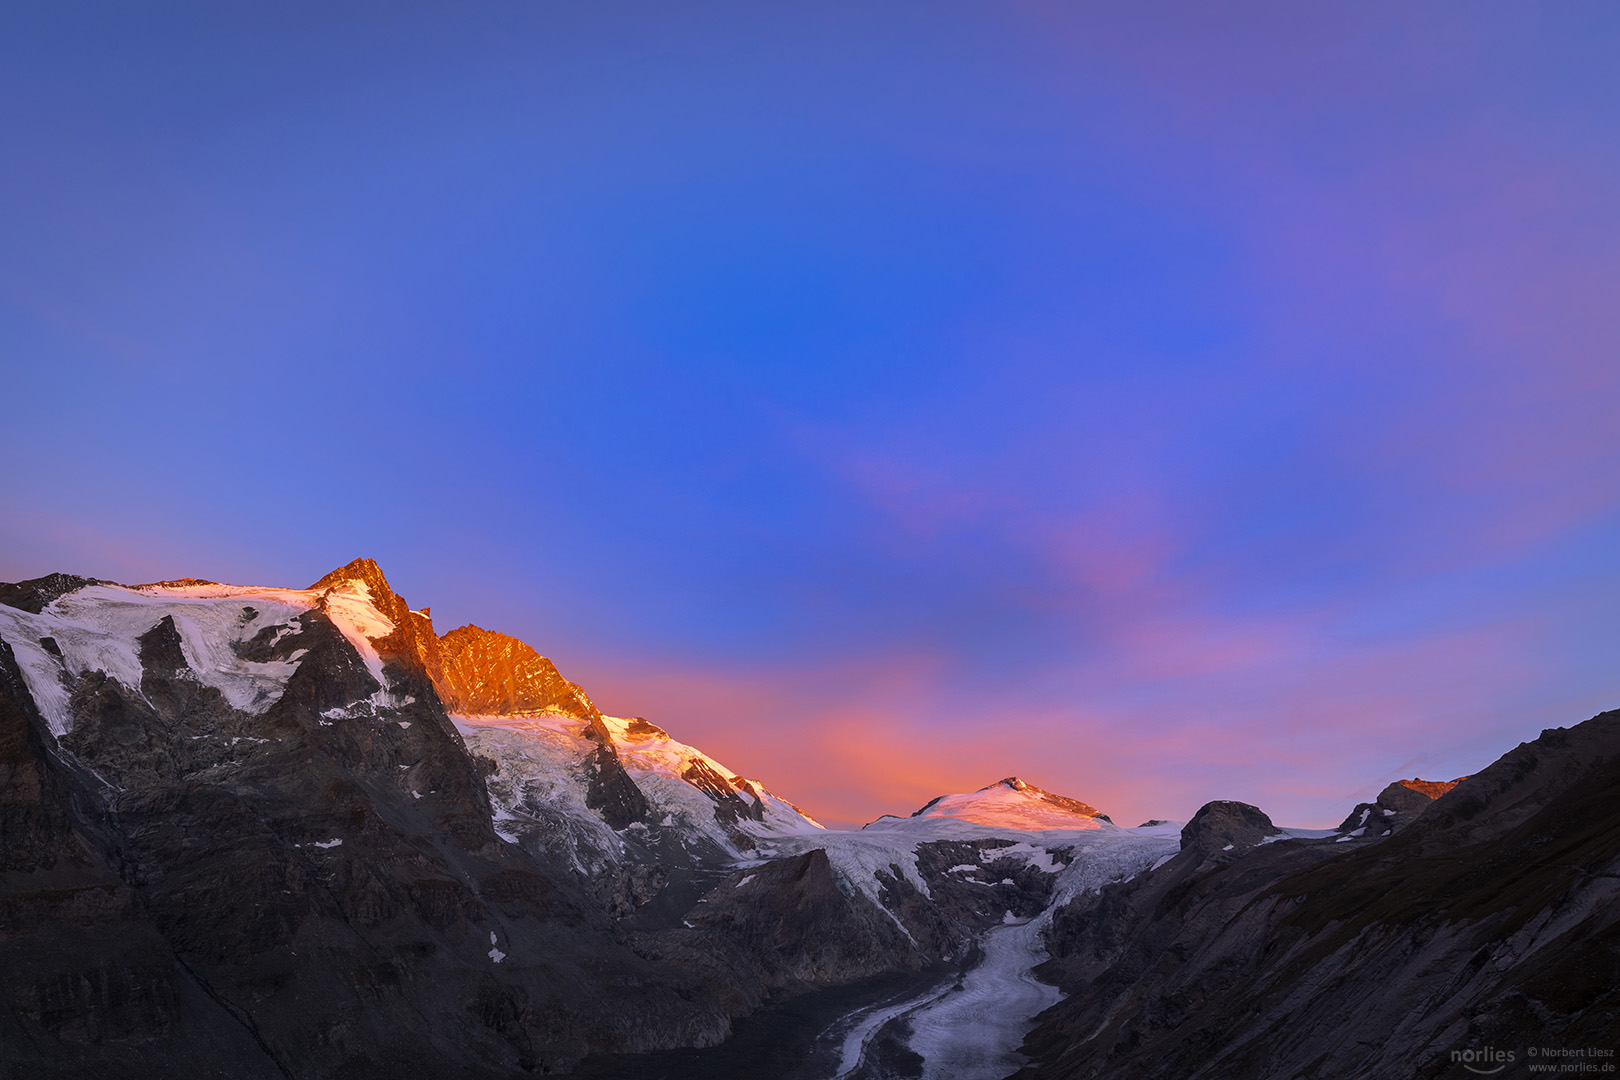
x=268, y=832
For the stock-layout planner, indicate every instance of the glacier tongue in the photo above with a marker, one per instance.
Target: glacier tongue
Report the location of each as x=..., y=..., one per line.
x=972, y=1030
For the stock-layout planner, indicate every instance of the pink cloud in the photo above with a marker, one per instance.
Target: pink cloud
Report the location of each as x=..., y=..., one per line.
x=1283, y=717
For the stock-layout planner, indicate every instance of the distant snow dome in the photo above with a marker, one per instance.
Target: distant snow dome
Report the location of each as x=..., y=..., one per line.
x=1009, y=804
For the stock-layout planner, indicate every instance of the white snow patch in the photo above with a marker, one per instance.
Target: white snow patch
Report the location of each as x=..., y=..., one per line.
x=540, y=785
x=328, y=843
x=350, y=608
x=745, y=881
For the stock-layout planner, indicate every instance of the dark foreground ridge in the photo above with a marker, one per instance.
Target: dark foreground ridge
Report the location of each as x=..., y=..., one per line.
x=1490, y=918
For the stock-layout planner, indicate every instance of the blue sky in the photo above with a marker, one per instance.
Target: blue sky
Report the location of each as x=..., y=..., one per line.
x=1160, y=404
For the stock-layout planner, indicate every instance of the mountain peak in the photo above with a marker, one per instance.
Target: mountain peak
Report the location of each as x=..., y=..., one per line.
x=1014, y=803
x=1432, y=788
x=362, y=570
x=487, y=673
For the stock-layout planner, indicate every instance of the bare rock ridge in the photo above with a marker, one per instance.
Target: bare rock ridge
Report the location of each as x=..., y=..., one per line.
x=32, y=596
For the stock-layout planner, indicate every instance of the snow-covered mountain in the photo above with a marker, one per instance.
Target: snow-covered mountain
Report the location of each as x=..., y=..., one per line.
x=695, y=812
x=356, y=734
x=264, y=832
x=1006, y=804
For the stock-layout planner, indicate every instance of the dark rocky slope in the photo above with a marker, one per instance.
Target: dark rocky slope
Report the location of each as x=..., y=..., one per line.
x=1490, y=920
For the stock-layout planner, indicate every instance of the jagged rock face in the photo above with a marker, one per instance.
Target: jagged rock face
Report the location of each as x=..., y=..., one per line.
x=490, y=674
x=730, y=806
x=1491, y=920
x=478, y=672
x=612, y=793
x=410, y=646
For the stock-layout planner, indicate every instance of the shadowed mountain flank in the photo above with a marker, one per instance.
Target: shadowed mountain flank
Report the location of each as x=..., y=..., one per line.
x=1492, y=919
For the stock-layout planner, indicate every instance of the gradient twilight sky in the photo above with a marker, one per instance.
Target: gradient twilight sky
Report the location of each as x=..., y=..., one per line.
x=1157, y=402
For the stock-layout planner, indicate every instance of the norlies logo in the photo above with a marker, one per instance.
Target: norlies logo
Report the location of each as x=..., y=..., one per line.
x=1485, y=1062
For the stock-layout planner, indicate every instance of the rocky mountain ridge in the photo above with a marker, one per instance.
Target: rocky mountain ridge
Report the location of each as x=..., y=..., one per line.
x=276, y=851
x=278, y=832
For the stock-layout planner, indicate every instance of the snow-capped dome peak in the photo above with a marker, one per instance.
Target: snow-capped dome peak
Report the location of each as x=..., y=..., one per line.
x=1009, y=803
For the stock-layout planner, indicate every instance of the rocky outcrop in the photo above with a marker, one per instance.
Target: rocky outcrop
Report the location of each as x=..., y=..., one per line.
x=1220, y=827
x=1491, y=920
x=32, y=596
x=611, y=792
x=1397, y=805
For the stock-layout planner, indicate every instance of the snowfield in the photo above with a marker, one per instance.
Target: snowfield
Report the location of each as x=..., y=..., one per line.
x=97, y=628
x=540, y=785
